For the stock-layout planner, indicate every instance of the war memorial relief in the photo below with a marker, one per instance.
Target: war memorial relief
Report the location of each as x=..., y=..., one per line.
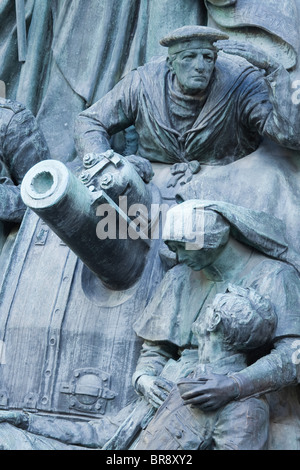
x=149, y=225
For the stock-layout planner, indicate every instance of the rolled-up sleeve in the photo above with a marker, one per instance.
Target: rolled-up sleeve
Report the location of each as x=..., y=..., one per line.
x=153, y=358
x=278, y=369
x=266, y=106
x=23, y=144
x=114, y=112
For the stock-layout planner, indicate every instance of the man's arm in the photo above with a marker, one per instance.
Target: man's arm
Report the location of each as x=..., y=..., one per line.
x=266, y=99
x=116, y=111
x=270, y=373
x=283, y=123
x=275, y=370
x=23, y=144
x=92, y=434
x=146, y=380
x=12, y=208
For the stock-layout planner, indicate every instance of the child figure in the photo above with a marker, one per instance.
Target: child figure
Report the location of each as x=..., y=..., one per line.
x=237, y=322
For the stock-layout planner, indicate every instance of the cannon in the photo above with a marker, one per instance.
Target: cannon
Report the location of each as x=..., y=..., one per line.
x=71, y=294
x=116, y=249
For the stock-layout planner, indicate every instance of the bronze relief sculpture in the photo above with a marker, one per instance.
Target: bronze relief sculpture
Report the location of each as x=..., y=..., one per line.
x=178, y=218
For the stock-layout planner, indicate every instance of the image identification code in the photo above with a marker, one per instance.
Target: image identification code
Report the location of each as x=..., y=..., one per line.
x=152, y=459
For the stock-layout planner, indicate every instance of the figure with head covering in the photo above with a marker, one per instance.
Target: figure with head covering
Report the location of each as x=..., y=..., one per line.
x=194, y=105
x=239, y=246
x=238, y=321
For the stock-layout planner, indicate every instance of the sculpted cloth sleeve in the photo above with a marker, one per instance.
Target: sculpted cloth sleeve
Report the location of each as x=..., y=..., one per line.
x=277, y=369
x=271, y=372
x=22, y=145
x=265, y=105
x=92, y=434
x=12, y=208
x=153, y=358
x=282, y=124
x=114, y=112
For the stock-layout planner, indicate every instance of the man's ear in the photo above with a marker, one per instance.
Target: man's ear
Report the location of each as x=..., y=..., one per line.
x=170, y=64
x=214, y=321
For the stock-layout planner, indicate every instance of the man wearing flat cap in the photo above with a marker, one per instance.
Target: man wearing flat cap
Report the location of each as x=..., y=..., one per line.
x=195, y=104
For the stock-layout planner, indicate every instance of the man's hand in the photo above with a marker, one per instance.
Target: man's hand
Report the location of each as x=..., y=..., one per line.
x=142, y=166
x=209, y=392
x=251, y=53
x=155, y=389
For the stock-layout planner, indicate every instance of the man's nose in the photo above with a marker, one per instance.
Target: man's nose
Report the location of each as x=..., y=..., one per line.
x=199, y=63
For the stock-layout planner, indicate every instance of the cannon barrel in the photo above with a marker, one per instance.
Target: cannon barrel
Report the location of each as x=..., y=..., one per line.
x=69, y=208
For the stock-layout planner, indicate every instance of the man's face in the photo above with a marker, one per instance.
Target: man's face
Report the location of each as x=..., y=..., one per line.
x=195, y=259
x=193, y=69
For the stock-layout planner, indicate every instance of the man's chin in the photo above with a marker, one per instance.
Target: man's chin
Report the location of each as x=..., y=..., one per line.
x=196, y=89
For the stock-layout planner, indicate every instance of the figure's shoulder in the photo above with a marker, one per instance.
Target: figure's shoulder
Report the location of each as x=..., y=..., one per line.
x=8, y=110
x=11, y=105
x=156, y=66
x=269, y=268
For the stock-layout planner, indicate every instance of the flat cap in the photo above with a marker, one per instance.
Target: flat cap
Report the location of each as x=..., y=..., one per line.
x=188, y=34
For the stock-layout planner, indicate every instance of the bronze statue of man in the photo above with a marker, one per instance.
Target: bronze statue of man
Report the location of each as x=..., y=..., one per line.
x=194, y=105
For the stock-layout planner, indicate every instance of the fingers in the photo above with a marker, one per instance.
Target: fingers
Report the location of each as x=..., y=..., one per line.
x=200, y=380
x=154, y=389
x=233, y=47
x=207, y=406
x=231, y=43
x=164, y=385
x=153, y=398
x=159, y=392
x=237, y=51
x=203, y=386
x=205, y=402
x=197, y=400
x=155, y=404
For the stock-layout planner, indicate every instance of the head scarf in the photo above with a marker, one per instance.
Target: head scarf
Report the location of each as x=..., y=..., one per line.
x=192, y=224
x=256, y=229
